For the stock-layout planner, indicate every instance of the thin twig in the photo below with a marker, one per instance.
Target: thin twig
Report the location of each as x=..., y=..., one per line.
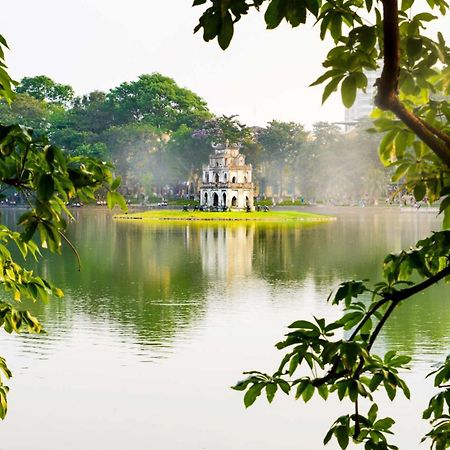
x=72, y=247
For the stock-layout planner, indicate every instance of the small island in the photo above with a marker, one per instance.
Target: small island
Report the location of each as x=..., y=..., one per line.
x=256, y=216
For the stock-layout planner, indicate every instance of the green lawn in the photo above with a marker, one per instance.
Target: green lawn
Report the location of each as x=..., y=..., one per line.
x=270, y=216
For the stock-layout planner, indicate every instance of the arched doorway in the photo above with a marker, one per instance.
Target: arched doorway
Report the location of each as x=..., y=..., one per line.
x=224, y=198
x=233, y=201
x=215, y=199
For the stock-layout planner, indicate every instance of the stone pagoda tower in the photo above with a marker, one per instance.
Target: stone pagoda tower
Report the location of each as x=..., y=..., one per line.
x=227, y=180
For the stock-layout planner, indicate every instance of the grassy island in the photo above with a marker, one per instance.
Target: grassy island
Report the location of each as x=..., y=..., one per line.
x=257, y=216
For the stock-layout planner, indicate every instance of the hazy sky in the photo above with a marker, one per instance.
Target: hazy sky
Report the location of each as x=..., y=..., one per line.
x=97, y=44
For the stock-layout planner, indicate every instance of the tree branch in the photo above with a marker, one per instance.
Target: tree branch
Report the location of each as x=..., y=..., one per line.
x=387, y=92
x=72, y=247
x=439, y=133
x=396, y=297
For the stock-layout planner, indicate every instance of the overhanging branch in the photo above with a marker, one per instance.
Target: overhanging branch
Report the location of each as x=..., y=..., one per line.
x=387, y=93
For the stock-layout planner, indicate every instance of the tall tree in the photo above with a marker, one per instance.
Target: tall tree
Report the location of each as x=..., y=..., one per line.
x=417, y=144
x=42, y=87
x=156, y=100
x=281, y=143
x=27, y=111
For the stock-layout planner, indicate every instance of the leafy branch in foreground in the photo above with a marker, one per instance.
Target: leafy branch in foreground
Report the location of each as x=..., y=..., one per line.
x=47, y=179
x=322, y=359
x=414, y=113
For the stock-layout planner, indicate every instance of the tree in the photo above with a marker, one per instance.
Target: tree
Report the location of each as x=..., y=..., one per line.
x=28, y=111
x=156, y=100
x=348, y=165
x=136, y=150
x=42, y=87
x=281, y=143
x=90, y=113
x=47, y=178
x=414, y=113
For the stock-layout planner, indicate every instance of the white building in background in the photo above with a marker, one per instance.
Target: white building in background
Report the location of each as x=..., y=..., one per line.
x=227, y=180
x=364, y=102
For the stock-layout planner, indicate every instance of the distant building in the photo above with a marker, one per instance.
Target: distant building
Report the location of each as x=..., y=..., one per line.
x=364, y=102
x=227, y=180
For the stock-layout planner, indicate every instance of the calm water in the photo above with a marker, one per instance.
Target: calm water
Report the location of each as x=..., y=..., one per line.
x=162, y=319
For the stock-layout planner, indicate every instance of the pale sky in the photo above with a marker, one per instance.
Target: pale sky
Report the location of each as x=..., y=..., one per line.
x=97, y=44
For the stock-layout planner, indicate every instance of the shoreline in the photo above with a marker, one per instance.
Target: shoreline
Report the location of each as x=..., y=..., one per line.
x=233, y=216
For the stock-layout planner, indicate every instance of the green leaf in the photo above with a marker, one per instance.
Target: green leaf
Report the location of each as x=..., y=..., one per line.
x=424, y=17
x=323, y=391
x=352, y=390
x=294, y=364
x=406, y=4
x=114, y=198
x=331, y=87
x=348, y=91
x=375, y=381
x=308, y=393
x=116, y=183
x=329, y=74
x=413, y=47
x=444, y=204
x=46, y=187
x=446, y=221
x=274, y=13
x=419, y=191
x=400, y=172
x=390, y=389
x=226, y=31
x=271, y=389
x=372, y=414
x=301, y=388
x=342, y=437
x=295, y=12
x=384, y=424
x=252, y=394
x=336, y=26
x=303, y=324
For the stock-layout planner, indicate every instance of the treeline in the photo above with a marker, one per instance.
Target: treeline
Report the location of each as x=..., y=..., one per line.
x=158, y=135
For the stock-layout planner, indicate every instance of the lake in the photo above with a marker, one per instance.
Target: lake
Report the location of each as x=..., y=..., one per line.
x=163, y=319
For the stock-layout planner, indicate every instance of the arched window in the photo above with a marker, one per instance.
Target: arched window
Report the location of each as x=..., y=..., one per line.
x=217, y=177
x=233, y=180
x=233, y=201
x=225, y=177
x=206, y=198
x=215, y=199
x=245, y=179
x=217, y=164
x=224, y=199
x=207, y=177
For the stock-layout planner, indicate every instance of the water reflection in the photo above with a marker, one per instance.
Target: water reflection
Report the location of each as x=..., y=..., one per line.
x=152, y=282
x=200, y=303
x=226, y=251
